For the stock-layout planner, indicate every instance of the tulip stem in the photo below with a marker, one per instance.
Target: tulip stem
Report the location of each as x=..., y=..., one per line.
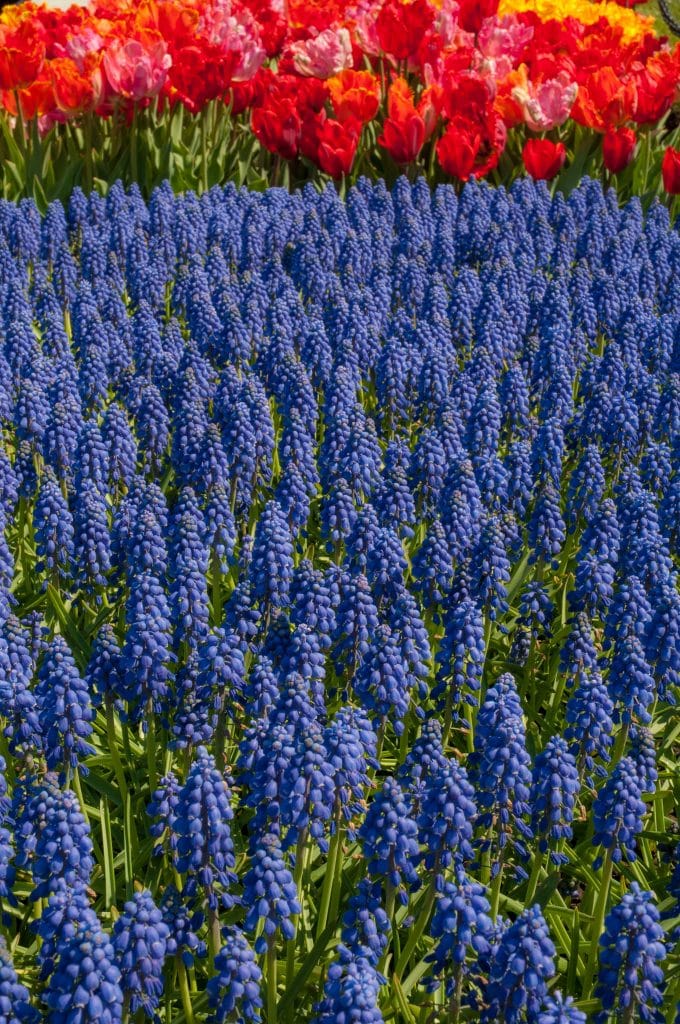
x=204, y=151
x=133, y=144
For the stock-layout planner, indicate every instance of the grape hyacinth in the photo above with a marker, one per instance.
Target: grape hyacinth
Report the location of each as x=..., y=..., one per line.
x=631, y=949
x=236, y=985
x=270, y=893
x=141, y=940
x=338, y=530
x=521, y=968
x=85, y=985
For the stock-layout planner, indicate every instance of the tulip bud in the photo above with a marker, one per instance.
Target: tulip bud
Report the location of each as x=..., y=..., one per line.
x=543, y=159
x=618, y=148
x=670, y=171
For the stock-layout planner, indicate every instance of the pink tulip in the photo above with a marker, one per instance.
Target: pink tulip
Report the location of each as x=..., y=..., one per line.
x=501, y=42
x=363, y=16
x=137, y=69
x=546, y=104
x=79, y=45
x=324, y=56
x=239, y=35
x=447, y=27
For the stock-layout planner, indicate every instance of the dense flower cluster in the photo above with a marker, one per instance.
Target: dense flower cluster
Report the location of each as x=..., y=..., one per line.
x=339, y=609
x=326, y=83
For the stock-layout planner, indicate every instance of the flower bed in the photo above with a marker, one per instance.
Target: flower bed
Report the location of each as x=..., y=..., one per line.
x=203, y=92
x=340, y=625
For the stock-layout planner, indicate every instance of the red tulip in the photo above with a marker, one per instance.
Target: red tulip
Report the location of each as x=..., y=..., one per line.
x=670, y=171
x=457, y=151
x=277, y=125
x=200, y=74
x=543, y=159
x=22, y=54
x=337, y=145
x=471, y=13
x=618, y=148
x=401, y=26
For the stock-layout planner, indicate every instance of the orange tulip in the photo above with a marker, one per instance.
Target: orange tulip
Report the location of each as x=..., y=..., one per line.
x=75, y=90
x=604, y=100
x=657, y=85
x=35, y=101
x=355, y=95
x=403, y=132
x=177, y=23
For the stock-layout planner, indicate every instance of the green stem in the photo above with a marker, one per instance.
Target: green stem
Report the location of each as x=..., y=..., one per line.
x=598, y=922
x=220, y=735
x=204, y=152
x=448, y=718
x=21, y=123
x=533, y=879
x=300, y=859
x=113, y=749
x=496, y=891
x=216, y=589
x=488, y=626
x=89, y=176
x=271, y=980
x=133, y=145
x=468, y=712
x=418, y=928
x=79, y=793
x=556, y=702
x=329, y=876
x=381, y=739
x=184, y=992
x=620, y=745
x=629, y=1012
x=151, y=746
x=454, y=1005
x=390, y=898
x=532, y=688
x=214, y=932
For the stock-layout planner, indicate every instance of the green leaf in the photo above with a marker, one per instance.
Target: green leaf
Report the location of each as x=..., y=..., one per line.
x=287, y=1002
x=107, y=848
x=402, y=1002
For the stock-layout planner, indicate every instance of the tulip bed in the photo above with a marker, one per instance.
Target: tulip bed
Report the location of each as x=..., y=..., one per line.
x=200, y=92
x=339, y=616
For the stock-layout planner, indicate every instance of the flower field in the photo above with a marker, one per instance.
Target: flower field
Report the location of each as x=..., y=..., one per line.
x=258, y=92
x=340, y=621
